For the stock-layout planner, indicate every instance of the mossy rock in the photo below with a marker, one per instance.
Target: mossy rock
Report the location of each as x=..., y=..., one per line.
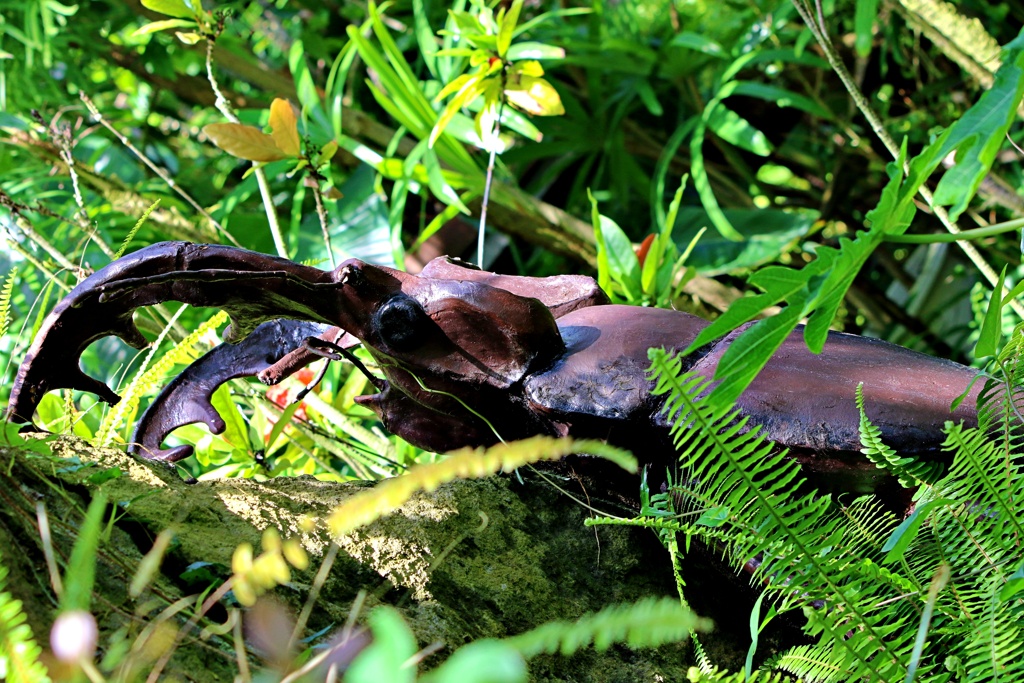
x=474, y=559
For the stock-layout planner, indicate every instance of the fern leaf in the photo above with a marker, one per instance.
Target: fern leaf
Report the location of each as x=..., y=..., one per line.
x=19, y=653
x=131, y=233
x=910, y=472
x=149, y=378
x=5, y=301
x=647, y=623
x=803, y=543
x=465, y=463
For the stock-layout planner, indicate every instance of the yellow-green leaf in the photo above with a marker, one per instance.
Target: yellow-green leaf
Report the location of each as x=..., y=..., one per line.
x=328, y=151
x=283, y=127
x=535, y=96
x=529, y=67
x=244, y=142
x=455, y=85
x=172, y=8
x=190, y=38
x=155, y=26
x=507, y=27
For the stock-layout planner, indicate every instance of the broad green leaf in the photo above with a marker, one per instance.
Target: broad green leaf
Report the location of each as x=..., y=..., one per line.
x=779, y=96
x=827, y=295
x=482, y=661
x=163, y=25
x=615, y=256
x=284, y=127
x=906, y=532
x=766, y=233
x=535, y=96
x=979, y=134
x=748, y=352
x=438, y=185
x=532, y=50
x=81, y=568
x=1014, y=584
x=529, y=67
x=244, y=142
x=172, y=8
x=506, y=27
x=863, y=23
x=698, y=42
x=236, y=433
x=715, y=517
x=702, y=184
x=385, y=658
x=991, y=326
x=736, y=130
x=778, y=282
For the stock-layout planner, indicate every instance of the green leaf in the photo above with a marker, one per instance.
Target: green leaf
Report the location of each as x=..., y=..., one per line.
x=155, y=26
x=827, y=293
x=778, y=282
x=507, y=27
x=81, y=570
x=715, y=517
x=533, y=50
x=906, y=532
x=863, y=23
x=482, y=661
x=235, y=431
x=615, y=256
x=766, y=233
x=748, y=353
x=980, y=133
x=385, y=658
x=702, y=183
x=991, y=326
x=535, y=96
x=1014, y=584
x=698, y=42
x=778, y=96
x=172, y=8
x=736, y=130
x=438, y=185
x=469, y=91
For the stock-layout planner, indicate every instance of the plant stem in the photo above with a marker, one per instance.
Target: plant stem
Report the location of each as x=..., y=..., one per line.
x=818, y=29
x=487, y=187
x=261, y=177
x=977, y=233
x=161, y=173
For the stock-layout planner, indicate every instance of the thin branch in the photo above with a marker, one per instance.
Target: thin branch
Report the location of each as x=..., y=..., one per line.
x=875, y=122
x=161, y=173
x=261, y=177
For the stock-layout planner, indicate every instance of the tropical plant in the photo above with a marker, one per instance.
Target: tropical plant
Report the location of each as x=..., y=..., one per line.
x=933, y=597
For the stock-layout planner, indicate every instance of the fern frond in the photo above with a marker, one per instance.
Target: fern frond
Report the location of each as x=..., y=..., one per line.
x=909, y=471
x=19, y=653
x=646, y=623
x=148, y=378
x=465, y=463
x=131, y=233
x=5, y=301
x=810, y=554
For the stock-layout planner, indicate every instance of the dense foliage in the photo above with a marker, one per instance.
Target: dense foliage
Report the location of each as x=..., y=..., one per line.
x=804, y=161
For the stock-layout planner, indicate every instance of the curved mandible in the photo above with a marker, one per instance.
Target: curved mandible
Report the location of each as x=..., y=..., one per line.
x=250, y=286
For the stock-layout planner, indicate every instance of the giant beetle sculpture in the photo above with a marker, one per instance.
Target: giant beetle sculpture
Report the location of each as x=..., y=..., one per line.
x=468, y=355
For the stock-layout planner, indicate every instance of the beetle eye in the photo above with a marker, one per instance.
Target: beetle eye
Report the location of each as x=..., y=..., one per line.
x=401, y=323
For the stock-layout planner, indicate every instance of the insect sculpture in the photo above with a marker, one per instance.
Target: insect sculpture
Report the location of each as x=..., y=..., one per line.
x=467, y=355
